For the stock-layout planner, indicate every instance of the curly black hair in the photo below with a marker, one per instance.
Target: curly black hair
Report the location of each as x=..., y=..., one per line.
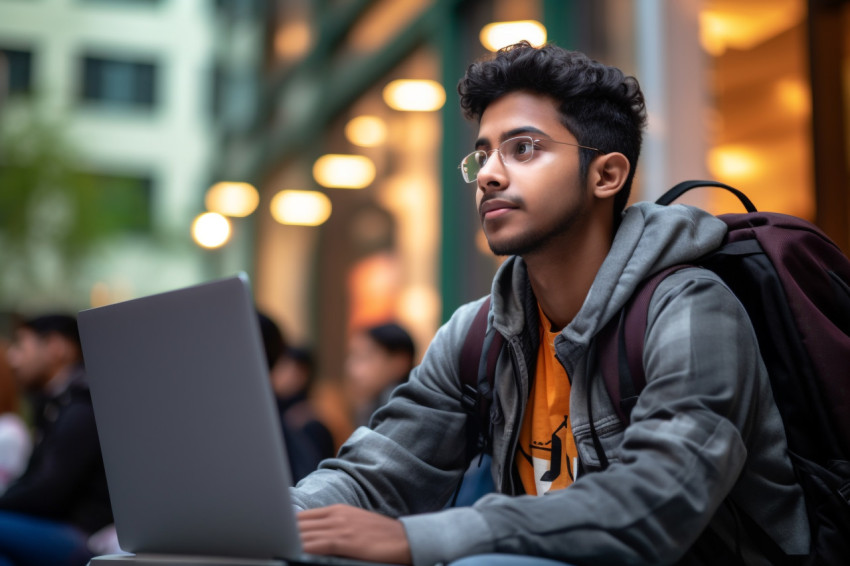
x=599, y=105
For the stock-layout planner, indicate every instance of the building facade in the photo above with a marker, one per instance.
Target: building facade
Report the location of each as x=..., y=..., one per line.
x=132, y=95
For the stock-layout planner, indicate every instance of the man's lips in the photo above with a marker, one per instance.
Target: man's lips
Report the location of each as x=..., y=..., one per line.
x=495, y=207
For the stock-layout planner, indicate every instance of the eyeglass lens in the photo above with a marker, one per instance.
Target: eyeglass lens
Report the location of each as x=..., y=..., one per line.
x=519, y=150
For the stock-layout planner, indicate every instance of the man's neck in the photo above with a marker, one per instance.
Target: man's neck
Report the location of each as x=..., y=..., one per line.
x=561, y=275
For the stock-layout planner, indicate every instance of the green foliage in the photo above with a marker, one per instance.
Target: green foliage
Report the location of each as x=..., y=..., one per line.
x=52, y=212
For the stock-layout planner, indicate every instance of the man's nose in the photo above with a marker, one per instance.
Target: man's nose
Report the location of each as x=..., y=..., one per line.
x=492, y=174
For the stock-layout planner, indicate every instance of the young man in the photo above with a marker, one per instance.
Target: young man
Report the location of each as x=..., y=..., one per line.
x=48, y=514
x=558, y=141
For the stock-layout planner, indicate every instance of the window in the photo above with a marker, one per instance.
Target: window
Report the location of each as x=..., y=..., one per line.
x=115, y=203
x=16, y=70
x=120, y=83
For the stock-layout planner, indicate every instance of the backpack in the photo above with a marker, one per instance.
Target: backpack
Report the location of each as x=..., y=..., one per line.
x=795, y=285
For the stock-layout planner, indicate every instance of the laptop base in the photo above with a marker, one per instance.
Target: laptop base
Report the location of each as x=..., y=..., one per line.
x=189, y=560
x=175, y=560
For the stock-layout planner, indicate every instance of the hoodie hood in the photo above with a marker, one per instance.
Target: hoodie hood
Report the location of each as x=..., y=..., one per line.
x=651, y=237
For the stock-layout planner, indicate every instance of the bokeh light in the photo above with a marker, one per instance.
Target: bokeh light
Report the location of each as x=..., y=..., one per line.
x=496, y=35
x=211, y=230
x=344, y=171
x=232, y=198
x=300, y=208
x=366, y=131
x=414, y=95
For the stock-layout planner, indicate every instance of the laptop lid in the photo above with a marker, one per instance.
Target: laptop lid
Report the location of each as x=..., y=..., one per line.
x=190, y=434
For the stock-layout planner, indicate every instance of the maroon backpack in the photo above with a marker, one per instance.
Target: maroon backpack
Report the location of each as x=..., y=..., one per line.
x=795, y=285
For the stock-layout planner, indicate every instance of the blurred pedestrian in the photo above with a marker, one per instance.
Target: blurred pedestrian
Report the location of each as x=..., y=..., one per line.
x=15, y=440
x=379, y=359
x=304, y=455
x=292, y=379
x=47, y=515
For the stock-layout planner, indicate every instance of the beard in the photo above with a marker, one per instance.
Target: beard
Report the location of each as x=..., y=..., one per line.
x=538, y=238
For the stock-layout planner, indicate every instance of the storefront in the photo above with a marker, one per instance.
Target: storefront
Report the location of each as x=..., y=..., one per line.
x=742, y=92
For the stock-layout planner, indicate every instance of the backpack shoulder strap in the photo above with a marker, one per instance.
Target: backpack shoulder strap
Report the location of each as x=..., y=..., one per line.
x=621, y=347
x=477, y=368
x=478, y=358
x=470, y=354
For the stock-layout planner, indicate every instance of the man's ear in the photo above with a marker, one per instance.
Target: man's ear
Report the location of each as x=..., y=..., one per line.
x=608, y=174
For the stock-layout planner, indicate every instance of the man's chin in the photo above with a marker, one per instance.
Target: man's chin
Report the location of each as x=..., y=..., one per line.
x=515, y=247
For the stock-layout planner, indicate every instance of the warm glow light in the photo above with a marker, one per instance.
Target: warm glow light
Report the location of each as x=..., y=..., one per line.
x=743, y=25
x=794, y=96
x=302, y=208
x=344, y=171
x=415, y=95
x=733, y=162
x=292, y=40
x=99, y=295
x=496, y=35
x=232, y=199
x=211, y=230
x=419, y=304
x=366, y=131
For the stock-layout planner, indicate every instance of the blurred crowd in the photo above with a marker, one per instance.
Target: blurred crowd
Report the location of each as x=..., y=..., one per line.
x=54, y=500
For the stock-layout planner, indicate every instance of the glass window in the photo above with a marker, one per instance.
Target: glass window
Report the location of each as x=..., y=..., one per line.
x=16, y=65
x=119, y=83
x=115, y=203
x=761, y=116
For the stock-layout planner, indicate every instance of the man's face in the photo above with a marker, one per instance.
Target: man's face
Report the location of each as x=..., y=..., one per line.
x=527, y=207
x=29, y=358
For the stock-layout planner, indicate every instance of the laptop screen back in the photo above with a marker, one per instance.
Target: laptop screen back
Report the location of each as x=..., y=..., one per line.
x=190, y=434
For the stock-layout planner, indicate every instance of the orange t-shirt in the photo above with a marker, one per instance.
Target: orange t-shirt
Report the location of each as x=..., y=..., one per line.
x=547, y=456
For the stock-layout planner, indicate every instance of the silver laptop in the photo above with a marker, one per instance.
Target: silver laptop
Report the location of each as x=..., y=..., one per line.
x=191, y=439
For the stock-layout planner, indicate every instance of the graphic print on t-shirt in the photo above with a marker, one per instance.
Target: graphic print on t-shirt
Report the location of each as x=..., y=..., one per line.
x=547, y=452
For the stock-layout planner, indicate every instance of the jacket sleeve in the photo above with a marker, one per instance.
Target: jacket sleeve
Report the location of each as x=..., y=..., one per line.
x=412, y=456
x=671, y=469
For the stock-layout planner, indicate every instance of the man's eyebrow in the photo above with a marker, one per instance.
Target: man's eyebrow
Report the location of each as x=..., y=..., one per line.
x=485, y=142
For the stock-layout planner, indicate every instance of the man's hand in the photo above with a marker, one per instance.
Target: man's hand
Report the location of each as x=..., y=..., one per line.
x=342, y=530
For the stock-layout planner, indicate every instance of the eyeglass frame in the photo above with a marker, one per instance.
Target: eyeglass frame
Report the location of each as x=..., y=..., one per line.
x=488, y=152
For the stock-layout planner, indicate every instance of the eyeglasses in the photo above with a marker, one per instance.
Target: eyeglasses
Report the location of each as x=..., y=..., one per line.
x=514, y=150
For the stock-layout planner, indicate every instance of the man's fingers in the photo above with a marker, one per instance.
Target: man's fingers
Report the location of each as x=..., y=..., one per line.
x=342, y=530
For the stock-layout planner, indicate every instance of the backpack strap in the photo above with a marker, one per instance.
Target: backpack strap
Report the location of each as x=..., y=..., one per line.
x=477, y=367
x=470, y=358
x=685, y=186
x=621, y=347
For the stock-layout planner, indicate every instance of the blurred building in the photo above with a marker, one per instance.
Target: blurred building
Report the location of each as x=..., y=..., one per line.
x=363, y=213
x=133, y=96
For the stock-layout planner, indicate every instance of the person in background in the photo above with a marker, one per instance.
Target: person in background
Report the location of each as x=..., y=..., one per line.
x=304, y=455
x=48, y=514
x=379, y=359
x=292, y=377
x=15, y=440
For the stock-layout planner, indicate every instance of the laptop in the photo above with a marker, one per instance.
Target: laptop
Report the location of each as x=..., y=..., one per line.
x=194, y=454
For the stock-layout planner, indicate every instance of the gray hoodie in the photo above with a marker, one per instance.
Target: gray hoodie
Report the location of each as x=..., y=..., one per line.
x=705, y=427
